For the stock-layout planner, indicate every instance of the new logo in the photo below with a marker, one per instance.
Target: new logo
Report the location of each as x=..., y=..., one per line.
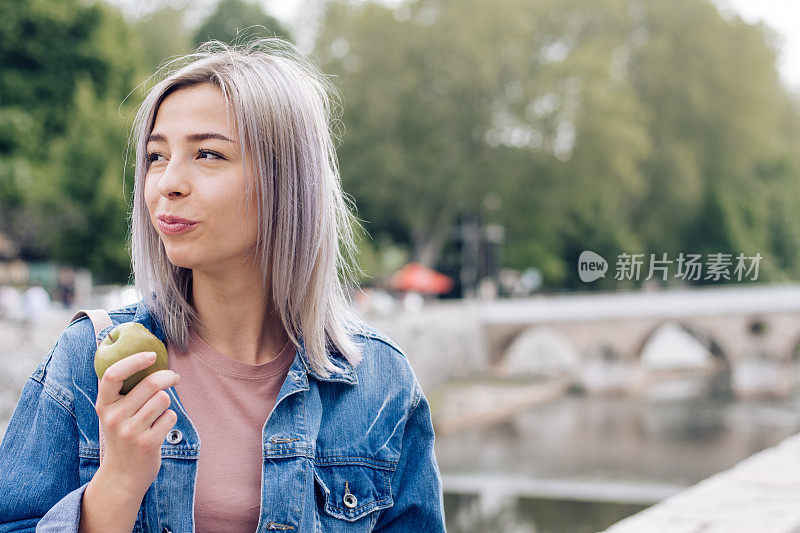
x=591, y=266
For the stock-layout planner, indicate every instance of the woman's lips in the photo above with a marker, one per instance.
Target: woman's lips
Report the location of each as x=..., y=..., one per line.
x=174, y=229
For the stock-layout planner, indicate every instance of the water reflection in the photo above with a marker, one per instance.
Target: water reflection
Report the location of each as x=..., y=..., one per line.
x=530, y=515
x=500, y=477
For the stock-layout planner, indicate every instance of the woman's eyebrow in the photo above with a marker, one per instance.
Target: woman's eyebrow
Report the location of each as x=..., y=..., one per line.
x=193, y=137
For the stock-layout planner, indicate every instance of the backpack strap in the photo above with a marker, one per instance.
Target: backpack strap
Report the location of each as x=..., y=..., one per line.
x=101, y=321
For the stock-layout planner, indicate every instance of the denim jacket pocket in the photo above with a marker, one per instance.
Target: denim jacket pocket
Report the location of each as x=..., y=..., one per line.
x=352, y=491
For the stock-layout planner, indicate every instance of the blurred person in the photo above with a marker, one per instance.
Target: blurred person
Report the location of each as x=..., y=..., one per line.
x=280, y=410
x=66, y=287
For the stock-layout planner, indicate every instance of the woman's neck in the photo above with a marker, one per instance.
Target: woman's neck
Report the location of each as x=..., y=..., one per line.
x=236, y=320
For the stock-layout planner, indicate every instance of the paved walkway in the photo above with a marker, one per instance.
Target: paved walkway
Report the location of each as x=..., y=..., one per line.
x=759, y=495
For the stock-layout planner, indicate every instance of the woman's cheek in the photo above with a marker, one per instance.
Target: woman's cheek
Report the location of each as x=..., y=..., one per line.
x=148, y=194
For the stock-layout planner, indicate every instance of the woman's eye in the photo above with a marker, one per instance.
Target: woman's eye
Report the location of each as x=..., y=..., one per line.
x=152, y=157
x=208, y=154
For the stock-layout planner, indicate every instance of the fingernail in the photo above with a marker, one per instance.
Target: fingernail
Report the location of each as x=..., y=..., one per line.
x=151, y=355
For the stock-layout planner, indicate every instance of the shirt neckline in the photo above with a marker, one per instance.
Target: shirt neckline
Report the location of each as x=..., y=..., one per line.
x=239, y=369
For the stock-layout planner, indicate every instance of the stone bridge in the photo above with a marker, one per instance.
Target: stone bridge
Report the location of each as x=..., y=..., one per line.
x=751, y=332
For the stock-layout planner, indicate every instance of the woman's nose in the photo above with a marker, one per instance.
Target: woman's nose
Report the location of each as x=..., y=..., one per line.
x=174, y=181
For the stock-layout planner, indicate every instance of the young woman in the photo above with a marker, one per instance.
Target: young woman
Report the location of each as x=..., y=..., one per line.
x=280, y=411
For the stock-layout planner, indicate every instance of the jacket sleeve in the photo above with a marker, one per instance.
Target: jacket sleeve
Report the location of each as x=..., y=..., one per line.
x=39, y=453
x=416, y=485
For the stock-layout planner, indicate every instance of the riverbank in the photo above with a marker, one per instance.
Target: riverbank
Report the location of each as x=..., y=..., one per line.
x=463, y=404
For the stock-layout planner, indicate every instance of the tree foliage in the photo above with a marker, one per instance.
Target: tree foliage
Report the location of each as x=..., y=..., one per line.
x=635, y=126
x=66, y=69
x=234, y=19
x=162, y=34
x=608, y=125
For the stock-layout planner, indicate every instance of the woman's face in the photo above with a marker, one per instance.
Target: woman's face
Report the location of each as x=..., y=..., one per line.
x=196, y=173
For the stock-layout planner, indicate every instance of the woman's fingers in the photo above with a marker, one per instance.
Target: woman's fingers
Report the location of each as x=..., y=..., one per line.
x=164, y=423
x=146, y=389
x=111, y=383
x=151, y=410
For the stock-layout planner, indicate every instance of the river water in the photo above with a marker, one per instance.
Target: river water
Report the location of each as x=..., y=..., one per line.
x=581, y=463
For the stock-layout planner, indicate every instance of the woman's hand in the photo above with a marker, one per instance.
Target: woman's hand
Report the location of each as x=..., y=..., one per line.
x=135, y=424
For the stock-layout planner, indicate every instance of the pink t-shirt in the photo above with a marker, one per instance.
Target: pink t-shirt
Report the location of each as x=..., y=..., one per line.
x=228, y=401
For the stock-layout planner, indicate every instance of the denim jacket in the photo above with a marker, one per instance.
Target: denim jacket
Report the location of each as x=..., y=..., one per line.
x=351, y=452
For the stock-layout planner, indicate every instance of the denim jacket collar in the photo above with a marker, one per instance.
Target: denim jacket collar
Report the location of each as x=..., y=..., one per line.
x=345, y=373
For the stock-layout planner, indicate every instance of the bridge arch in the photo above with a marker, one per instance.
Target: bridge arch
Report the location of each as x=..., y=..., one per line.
x=701, y=365
x=541, y=350
x=706, y=340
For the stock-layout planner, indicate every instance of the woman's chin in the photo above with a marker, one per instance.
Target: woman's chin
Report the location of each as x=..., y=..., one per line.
x=180, y=260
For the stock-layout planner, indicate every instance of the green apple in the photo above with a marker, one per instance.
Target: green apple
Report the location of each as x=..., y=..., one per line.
x=127, y=339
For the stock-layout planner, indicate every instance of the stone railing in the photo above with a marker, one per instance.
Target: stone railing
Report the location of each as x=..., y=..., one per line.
x=760, y=494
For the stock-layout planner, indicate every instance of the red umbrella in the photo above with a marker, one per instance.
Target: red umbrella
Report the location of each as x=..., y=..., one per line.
x=417, y=277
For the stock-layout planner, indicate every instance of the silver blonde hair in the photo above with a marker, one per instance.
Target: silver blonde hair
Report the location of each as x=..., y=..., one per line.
x=285, y=111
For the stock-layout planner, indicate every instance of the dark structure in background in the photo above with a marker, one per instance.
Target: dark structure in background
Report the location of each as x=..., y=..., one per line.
x=473, y=257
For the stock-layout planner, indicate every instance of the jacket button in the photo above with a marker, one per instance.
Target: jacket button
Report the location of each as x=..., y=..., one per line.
x=349, y=499
x=174, y=437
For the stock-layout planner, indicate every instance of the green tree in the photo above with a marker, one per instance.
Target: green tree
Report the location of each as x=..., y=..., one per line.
x=66, y=70
x=45, y=47
x=725, y=165
x=162, y=34
x=612, y=125
x=232, y=17
x=447, y=102
x=589, y=138
x=416, y=101
x=86, y=205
